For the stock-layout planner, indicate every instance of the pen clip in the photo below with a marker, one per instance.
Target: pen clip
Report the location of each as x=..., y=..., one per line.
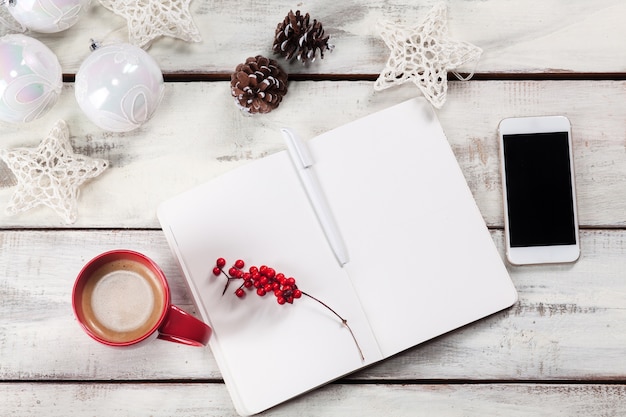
x=299, y=147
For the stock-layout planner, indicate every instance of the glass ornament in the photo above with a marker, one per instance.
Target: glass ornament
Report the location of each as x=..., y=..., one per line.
x=47, y=16
x=31, y=78
x=119, y=87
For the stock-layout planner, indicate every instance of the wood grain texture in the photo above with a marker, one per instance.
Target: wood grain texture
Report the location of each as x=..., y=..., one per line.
x=557, y=352
x=198, y=133
x=202, y=400
x=568, y=324
x=533, y=36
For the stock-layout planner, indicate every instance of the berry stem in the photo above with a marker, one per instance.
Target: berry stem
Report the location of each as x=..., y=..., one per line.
x=343, y=321
x=228, y=279
x=265, y=280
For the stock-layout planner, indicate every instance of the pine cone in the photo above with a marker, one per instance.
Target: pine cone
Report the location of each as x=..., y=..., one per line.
x=297, y=38
x=258, y=85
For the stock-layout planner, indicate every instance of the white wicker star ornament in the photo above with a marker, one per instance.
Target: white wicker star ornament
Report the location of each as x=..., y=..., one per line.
x=8, y=24
x=424, y=54
x=50, y=174
x=151, y=19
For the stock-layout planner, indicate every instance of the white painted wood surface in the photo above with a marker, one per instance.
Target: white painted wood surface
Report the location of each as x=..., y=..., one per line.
x=202, y=399
x=568, y=324
x=535, y=36
x=198, y=133
x=559, y=351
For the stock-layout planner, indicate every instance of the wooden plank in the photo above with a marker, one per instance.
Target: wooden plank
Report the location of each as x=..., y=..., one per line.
x=597, y=113
x=531, y=36
x=570, y=322
x=198, y=133
x=191, y=400
x=39, y=336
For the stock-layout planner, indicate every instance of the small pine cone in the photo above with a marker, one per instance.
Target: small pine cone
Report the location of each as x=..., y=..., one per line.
x=297, y=38
x=258, y=85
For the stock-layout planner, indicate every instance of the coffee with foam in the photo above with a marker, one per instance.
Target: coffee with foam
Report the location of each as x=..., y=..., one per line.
x=123, y=300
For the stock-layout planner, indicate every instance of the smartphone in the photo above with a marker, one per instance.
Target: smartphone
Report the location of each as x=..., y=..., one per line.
x=540, y=216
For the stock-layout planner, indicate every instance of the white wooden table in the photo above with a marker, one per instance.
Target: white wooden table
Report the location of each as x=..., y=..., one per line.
x=559, y=351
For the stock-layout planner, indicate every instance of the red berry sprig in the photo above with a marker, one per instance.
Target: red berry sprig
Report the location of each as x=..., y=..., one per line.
x=265, y=280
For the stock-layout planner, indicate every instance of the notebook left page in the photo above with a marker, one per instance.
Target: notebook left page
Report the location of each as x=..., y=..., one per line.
x=267, y=352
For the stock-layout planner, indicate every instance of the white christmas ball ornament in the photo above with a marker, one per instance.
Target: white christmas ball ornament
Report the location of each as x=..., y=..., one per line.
x=119, y=87
x=31, y=79
x=47, y=16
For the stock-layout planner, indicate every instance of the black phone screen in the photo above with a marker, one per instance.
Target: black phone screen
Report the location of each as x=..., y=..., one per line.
x=539, y=189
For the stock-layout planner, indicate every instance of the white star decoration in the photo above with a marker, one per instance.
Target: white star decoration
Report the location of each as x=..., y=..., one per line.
x=150, y=19
x=50, y=174
x=8, y=24
x=423, y=54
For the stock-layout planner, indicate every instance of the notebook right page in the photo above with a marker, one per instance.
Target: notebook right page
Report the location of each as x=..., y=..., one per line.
x=422, y=260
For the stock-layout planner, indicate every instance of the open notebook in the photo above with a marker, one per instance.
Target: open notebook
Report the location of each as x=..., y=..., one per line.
x=422, y=261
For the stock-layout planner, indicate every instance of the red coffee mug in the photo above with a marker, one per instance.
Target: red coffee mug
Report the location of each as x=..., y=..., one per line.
x=122, y=298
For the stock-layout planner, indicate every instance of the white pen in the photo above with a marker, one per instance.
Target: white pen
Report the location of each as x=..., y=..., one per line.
x=303, y=162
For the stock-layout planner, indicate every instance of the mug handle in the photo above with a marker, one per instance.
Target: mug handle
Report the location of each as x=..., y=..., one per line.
x=181, y=327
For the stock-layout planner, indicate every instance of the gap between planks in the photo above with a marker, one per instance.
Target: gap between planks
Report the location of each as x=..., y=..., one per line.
x=521, y=76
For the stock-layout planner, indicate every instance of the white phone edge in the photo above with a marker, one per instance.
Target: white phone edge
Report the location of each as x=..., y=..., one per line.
x=538, y=254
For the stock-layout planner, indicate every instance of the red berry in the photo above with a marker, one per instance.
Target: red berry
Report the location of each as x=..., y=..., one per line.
x=263, y=278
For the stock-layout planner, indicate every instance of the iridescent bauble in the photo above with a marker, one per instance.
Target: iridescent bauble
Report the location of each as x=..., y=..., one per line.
x=119, y=87
x=31, y=78
x=47, y=16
